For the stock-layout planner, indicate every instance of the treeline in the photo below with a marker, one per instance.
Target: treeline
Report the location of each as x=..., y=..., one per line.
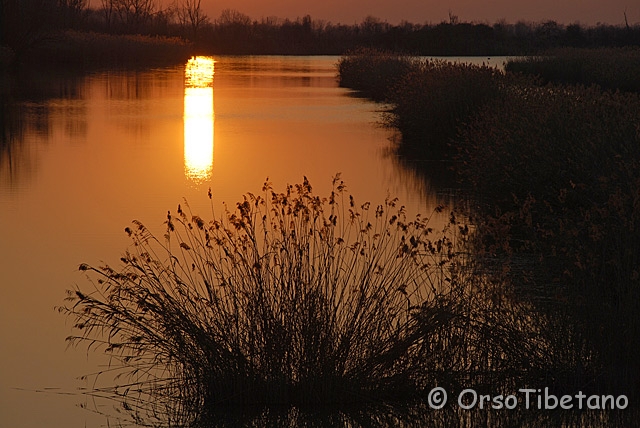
x=117, y=32
x=26, y=24
x=453, y=38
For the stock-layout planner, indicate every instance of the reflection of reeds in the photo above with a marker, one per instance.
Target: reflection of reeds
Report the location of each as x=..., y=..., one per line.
x=419, y=417
x=19, y=158
x=300, y=301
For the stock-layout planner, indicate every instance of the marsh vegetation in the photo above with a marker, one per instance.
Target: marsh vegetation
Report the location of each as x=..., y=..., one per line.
x=552, y=172
x=610, y=68
x=292, y=300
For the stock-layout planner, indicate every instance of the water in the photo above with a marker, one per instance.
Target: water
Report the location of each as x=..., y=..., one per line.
x=82, y=156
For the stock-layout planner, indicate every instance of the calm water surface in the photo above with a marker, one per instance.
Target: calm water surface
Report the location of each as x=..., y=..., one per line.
x=80, y=157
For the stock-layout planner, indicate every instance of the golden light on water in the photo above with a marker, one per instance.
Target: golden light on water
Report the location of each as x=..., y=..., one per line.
x=199, y=72
x=198, y=118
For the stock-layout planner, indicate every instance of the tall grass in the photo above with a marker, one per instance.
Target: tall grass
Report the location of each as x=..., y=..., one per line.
x=296, y=300
x=373, y=72
x=559, y=167
x=553, y=171
x=435, y=98
x=609, y=68
x=88, y=49
x=428, y=99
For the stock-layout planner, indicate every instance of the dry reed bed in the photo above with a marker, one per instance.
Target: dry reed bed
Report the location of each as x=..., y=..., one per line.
x=373, y=72
x=609, y=68
x=427, y=98
x=555, y=171
x=559, y=166
x=429, y=102
x=95, y=49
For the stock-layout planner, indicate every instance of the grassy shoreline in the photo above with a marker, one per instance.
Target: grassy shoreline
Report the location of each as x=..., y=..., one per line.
x=554, y=170
x=82, y=49
x=427, y=123
x=610, y=68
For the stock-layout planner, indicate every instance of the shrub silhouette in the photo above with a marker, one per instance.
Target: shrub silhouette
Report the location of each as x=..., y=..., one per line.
x=296, y=300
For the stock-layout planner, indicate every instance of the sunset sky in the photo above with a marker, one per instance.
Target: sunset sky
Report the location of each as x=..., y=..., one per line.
x=588, y=12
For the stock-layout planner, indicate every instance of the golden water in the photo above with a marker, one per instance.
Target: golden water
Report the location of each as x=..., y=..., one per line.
x=82, y=156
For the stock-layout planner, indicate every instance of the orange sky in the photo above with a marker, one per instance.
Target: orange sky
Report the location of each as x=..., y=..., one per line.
x=587, y=12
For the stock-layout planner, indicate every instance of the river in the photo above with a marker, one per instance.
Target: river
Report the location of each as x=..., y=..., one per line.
x=83, y=155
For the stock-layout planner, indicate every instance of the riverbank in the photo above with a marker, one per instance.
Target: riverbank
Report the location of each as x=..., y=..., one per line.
x=553, y=170
x=76, y=49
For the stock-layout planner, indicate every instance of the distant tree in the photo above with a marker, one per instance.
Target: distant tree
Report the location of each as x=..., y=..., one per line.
x=234, y=32
x=108, y=10
x=134, y=13
x=453, y=19
x=502, y=29
x=271, y=21
x=191, y=15
x=318, y=25
x=306, y=23
x=71, y=12
x=373, y=25
x=574, y=35
x=231, y=17
x=523, y=30
x=408, y=27
x=164, y=19
x=549, y=34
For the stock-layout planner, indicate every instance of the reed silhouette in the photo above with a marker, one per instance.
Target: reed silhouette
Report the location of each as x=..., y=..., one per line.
x=293, y=300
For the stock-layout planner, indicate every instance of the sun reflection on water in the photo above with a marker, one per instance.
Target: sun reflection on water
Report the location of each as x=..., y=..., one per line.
x=198, y=118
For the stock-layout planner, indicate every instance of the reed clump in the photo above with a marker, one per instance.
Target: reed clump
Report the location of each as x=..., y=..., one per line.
x=428, y=99
x=296, y=300
x=429, y=103
x=373, y=72
x=609, y=68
